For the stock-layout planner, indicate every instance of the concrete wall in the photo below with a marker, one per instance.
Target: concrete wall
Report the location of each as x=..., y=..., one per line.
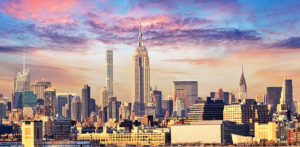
x=196, y=134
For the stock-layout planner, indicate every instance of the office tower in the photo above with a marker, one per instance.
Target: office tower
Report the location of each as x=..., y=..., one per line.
x=57, y=128
x=85, y=101
x=39, y=87
x=287, y=95
x=226, y=98
x=92, y=105
x=209, y=110
x=2, y=110
x=50, y=99
x=187, y=91
x=179, y=109
x=22, y=81
x=17, y=100
x=61, y=101
x=231, y=98
x=273, y=97
x=109, y=73
x=297, y=105
x=113, y=108
x=242, y=87
x=150, y=111
x=32, y=133
x=28, y=99
x=140, y=82
x=212, y=95
x=76, y=109
x=104, y=97
x=261, y=98
x=104, y=114
x=158, y=96
x=63, y=104
x=125, y=111
x=219, y=95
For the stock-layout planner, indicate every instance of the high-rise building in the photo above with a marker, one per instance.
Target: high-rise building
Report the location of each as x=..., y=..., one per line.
x=185, y=90
x=17, y=100
x=113, y=108
x=287, y=95
x=28, y=99
x=125, y=111
x=92, y=105
x=140, y=88
x=273, y=97
x=39, y=87
x=158, y=97
x=104, y=97
x=2, y=110
x=109, y=73
x=76, y=109
x=50, y=99
x=85, y=101
x=22, y=81
x=61, y=101
x=243, y=87
x=179, y=109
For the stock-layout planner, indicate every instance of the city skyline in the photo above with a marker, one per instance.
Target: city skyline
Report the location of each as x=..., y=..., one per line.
x=208, y=46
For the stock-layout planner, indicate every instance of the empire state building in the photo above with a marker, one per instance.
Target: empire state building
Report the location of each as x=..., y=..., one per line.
x=140, y=81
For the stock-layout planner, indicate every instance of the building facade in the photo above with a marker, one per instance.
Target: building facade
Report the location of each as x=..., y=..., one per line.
x=109, y=73
x=104, y=97
x=140, y=88
x=85, y=101
x=242, y=87
x=187, y=91
x=39, y=87
x=273, y=97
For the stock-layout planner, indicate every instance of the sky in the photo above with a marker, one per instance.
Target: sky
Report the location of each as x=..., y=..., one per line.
x=204, y=40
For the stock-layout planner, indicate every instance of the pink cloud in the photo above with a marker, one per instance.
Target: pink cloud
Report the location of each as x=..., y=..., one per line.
x=44, y=11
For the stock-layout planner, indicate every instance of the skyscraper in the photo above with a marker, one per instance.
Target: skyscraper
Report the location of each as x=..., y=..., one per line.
x=39, y=87
x=104, y=97
x=140, y=82
x=50, y=99
x=242, y=87
x=158, y=102
x=287, y=95
x=187, y=91
x=22, y=81
x=273, y=97
x=85, y=101
x=109, y=73
x=76, y=109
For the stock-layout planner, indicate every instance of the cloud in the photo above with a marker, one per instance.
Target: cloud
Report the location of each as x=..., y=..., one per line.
x=16, y=49
x=290, y=43
x=49, y=11
x=208, y=61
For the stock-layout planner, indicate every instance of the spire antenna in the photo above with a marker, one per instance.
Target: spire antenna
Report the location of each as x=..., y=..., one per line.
x=242, y=68
x=140, y=35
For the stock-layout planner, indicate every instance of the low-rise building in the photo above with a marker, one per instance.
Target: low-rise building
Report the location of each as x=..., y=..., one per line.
x=265, y=131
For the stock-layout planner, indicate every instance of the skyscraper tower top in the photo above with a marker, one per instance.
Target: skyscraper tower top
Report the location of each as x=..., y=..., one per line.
x=140, y=36
x=242, y=86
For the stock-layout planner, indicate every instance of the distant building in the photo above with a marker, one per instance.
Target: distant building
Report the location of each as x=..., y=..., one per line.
x=109, y=73
x=150, y=111
x=39, y=87
x=125, y=111
x=158, y=101
x=104, y=97
x=28, y=99
x=50, y=99
x=85, y=101
x=273, y=97
x=22, y=81
x=64, y=104
x=179, y=109
x=76, y=109
x=140, y=78
x=17, y=100
x=113, y=108
x=242, y=87
x=32, y=133
x=261, y=98
x=2, y=110
x=209, y=110
x=287, y=95
x=60, y=102
x=92, y=105
x=187, y=91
